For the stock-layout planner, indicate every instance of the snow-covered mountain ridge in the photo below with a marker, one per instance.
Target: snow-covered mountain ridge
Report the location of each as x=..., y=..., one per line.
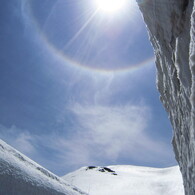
x=21, y=176
x=171, y=27
x=127, y=180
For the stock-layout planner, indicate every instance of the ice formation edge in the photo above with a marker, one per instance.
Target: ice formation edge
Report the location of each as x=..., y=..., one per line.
x=171, y=29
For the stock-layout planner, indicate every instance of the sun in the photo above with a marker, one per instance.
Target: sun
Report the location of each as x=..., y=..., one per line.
x=111, y=6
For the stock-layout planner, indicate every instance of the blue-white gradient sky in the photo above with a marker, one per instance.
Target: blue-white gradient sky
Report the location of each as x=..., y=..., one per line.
x=78, y=86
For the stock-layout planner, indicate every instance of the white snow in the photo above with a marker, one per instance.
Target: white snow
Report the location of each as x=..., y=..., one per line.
x=128, y=180
x=21, y=176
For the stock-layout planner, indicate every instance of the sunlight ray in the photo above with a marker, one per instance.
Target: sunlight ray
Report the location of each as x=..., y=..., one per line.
x=80, y=30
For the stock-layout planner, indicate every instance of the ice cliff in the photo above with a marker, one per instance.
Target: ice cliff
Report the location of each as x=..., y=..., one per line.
x=21, y=176
x=171, y=27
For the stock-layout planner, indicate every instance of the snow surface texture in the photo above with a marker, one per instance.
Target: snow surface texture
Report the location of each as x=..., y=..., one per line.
x=127, y=180
x=171, y=27
x=21, y=176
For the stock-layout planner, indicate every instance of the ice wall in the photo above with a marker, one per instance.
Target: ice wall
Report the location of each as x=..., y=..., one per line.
x=21, y=176
x=171, y=27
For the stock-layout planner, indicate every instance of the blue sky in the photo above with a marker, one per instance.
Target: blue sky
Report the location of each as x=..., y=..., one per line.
x=78, y=86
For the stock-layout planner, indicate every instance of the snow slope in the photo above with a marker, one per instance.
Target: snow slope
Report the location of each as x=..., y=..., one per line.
x=127, y=180
x=171, y=28
x=21, y=176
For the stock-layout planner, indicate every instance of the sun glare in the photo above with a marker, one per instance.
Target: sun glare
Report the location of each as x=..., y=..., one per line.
x=111, y=6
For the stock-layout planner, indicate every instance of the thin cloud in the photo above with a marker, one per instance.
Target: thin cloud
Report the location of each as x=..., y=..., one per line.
x=117, y=131
x=110, y=130
x=107, y=134
x=20, y=139
x=101, y=134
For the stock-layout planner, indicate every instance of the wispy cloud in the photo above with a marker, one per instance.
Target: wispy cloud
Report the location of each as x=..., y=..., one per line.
x=18, y=138
x=101, y=134
x=110, y=130
x=104, y=134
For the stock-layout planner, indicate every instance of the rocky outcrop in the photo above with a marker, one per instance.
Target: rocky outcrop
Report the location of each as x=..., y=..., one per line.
x=171, y=30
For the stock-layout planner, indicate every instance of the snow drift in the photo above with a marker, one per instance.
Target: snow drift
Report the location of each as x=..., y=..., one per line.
x=21, y=176
x=171, y=27
x=127, y=180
